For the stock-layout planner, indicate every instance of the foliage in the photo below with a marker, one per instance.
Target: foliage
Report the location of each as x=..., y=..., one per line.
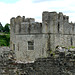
x=6, y=28
x=1, y=27
x=4, y=40
x=4, y=35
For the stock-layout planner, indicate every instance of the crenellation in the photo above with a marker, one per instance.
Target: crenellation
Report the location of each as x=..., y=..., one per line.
x=18, y=24
x=30, y=20
x=36, y=28
x=65, y=18
x=12, y=21
x=25, y=26
x=60, y=16
x=23, y=19
x=18, y=19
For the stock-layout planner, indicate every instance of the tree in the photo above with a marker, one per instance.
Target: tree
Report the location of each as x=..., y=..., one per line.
x=1, y=27
x=6, y=28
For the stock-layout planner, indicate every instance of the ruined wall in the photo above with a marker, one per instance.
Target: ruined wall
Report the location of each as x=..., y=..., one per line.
x=54, y=30
x=40, y=47
x=63, y=65
x=60, y=30
x=26, y=30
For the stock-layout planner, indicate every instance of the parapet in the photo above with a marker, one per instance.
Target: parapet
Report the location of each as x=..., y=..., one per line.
x=65, y=18
x=12, y=20
x=52, y=22
x=48, y=16
x=20, y=19
x=30, y=20
x=23, y=25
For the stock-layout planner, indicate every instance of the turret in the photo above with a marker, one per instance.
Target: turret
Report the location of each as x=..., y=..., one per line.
x=12, y=24
x=49, y=20
x=12, y=33
x=18, y=24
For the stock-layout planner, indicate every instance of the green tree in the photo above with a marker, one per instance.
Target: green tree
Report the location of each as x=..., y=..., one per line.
x=5, y=40
x=1, y=27
x=6, y=28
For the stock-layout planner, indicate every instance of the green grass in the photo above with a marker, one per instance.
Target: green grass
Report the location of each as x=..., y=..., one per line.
x=71, y=47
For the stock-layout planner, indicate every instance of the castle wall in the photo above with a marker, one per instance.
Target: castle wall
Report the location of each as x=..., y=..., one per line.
x=12, y=33
x=40, y=47
x=49, y=22
x=54, y=30
x=60, y=30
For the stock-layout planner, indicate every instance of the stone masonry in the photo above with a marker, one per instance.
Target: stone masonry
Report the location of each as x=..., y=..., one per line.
x=31, y=40
x=61, y=65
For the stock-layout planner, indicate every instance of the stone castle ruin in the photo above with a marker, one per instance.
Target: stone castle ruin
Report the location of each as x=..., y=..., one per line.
x=32, y=45
x=31, y=40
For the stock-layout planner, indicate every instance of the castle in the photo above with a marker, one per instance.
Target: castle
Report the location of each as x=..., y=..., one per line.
x=31, y=40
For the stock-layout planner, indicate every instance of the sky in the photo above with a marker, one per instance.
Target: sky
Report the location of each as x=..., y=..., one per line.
x=34, y=9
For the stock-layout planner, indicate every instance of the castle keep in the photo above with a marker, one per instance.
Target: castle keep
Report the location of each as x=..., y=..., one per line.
x=31, y=40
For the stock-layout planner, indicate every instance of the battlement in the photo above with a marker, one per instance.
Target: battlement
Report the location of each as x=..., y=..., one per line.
x=52, y=22
x=50, y=15
x=22, y=25
x=20, y=19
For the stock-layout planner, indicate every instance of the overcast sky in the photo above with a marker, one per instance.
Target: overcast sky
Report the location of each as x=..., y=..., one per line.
x=34, y=8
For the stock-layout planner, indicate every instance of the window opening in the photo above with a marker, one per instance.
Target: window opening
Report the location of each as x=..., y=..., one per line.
x=71, y=41
x=30, y=45
x=13, y=46
x=58, y=27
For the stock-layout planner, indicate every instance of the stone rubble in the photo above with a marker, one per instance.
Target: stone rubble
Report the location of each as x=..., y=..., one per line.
x=64, y=64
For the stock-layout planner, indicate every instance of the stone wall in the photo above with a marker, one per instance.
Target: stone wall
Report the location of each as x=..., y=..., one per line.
x=22, y=52
x=62, y=65
x=55, y=30
x=60, y=30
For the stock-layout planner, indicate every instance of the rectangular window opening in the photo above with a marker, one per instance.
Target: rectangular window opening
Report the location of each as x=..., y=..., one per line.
x=30, y=45
x=71, y=41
